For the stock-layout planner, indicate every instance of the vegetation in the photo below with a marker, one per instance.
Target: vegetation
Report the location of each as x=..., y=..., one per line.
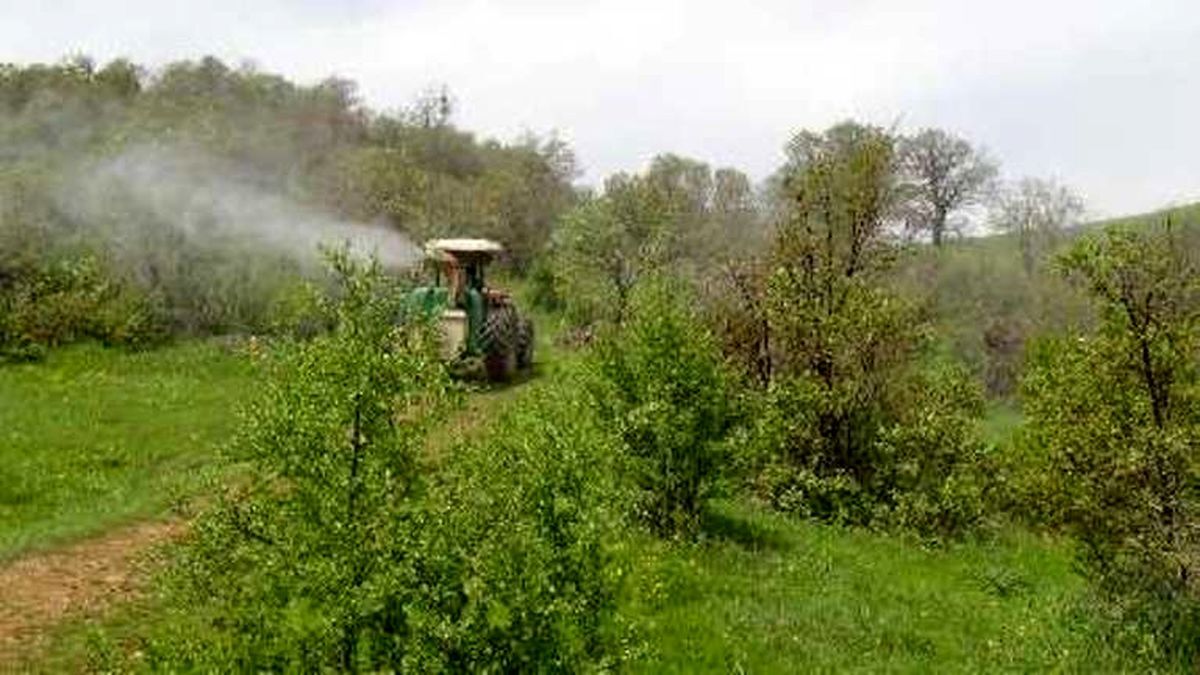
x=93, y=438
x=944, y=174
x=666, y=394
x=797, y=424
x=1118, y=415
x=186, y=200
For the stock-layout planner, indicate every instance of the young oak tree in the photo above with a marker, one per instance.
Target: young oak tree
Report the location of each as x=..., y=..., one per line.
x=841, y=424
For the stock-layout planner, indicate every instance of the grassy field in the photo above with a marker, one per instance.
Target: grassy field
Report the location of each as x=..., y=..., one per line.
x=768, y=594
x=95, y=437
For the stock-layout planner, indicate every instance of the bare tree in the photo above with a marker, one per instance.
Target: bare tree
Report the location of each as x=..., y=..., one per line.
x=942, y=174
x=1036, y=210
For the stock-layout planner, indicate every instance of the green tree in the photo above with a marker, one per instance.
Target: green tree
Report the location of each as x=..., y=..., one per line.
x=668, y=396
x=302, y=564
x=841, y=425
x=1118, y=415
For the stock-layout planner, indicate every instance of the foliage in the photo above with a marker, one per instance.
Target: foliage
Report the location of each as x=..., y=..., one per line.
x=1037, y=211
x=172, y=175
x=942, y=174
x=606, y=244
x=934, y=474
x=678, y=216
x=984, y=308
x=520, y=563
x=842, y=435
x=1117, y=414
x=49, y=304
x=336, y=552
x=300, y=565
x=735, y=308
x=668, y=398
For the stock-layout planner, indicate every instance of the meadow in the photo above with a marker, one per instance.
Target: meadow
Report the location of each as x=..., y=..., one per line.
x=94, y=438
x=134, y=433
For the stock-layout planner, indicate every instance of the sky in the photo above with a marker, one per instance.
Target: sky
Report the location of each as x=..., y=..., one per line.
x=1102, y=95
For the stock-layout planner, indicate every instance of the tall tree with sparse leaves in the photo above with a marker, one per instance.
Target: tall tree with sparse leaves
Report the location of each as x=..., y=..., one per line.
x=943, y=174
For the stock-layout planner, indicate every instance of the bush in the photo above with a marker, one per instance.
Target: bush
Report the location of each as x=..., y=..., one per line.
x=73, y=299
x=934, y=473
x=923, y=468
x=519, y=566
x=667, y=394
x=1117, y=416
x=308, y=564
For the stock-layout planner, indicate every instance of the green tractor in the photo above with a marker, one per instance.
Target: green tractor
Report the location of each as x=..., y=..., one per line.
x=481, y=328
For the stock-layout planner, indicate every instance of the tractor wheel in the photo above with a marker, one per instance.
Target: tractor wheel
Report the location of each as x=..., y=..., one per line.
x=500, y=335
x=525, y=344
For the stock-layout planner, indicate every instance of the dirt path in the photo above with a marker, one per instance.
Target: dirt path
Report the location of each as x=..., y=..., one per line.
x=41, y=590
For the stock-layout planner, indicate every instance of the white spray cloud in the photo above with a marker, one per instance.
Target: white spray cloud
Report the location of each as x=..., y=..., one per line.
x=209, y=201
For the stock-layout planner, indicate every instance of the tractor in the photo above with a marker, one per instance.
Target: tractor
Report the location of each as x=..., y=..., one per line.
x=480, y=326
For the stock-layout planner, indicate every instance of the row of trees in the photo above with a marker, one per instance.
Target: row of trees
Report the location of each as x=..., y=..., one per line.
x=145, y=173
x=856, y=400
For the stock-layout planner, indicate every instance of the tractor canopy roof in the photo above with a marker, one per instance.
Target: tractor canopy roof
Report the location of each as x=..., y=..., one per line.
x=444, y=249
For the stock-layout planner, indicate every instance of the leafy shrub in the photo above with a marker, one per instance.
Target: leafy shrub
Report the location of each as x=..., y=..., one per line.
x=934, y=470
x=669, y=399
x=923, y=469
x=308, y=564
x=519, y=567
x=72, y=299
x=1117, y=416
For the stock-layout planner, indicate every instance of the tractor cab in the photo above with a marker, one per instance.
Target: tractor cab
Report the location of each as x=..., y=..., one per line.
x=477, y=323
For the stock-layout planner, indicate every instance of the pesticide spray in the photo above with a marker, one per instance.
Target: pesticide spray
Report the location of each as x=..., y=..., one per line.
x=213, y=203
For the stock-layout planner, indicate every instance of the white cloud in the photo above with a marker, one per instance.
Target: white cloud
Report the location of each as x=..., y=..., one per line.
x=1101, y=94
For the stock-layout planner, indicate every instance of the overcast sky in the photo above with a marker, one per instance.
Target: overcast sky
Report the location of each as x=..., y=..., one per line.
x=1103, y=95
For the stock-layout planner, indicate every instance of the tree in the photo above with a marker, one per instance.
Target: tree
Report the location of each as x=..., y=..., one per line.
x=835, y=328
x=665, y=390
x=845, y=431
x=1117, y=413
x=606, y=243
x=943, y=174
x=1037, y=211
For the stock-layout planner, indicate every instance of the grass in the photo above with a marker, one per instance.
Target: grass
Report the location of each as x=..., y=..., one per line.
x=768, y=594
x=93, y=437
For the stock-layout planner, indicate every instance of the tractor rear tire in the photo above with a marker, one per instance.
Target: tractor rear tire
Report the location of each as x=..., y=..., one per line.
x=500, y=337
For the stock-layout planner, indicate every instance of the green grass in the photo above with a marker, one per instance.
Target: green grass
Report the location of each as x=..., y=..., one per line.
x=770, y=594
x=93, y=437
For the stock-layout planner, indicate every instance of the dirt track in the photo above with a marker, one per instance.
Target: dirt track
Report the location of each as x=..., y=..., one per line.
x=40, y=590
